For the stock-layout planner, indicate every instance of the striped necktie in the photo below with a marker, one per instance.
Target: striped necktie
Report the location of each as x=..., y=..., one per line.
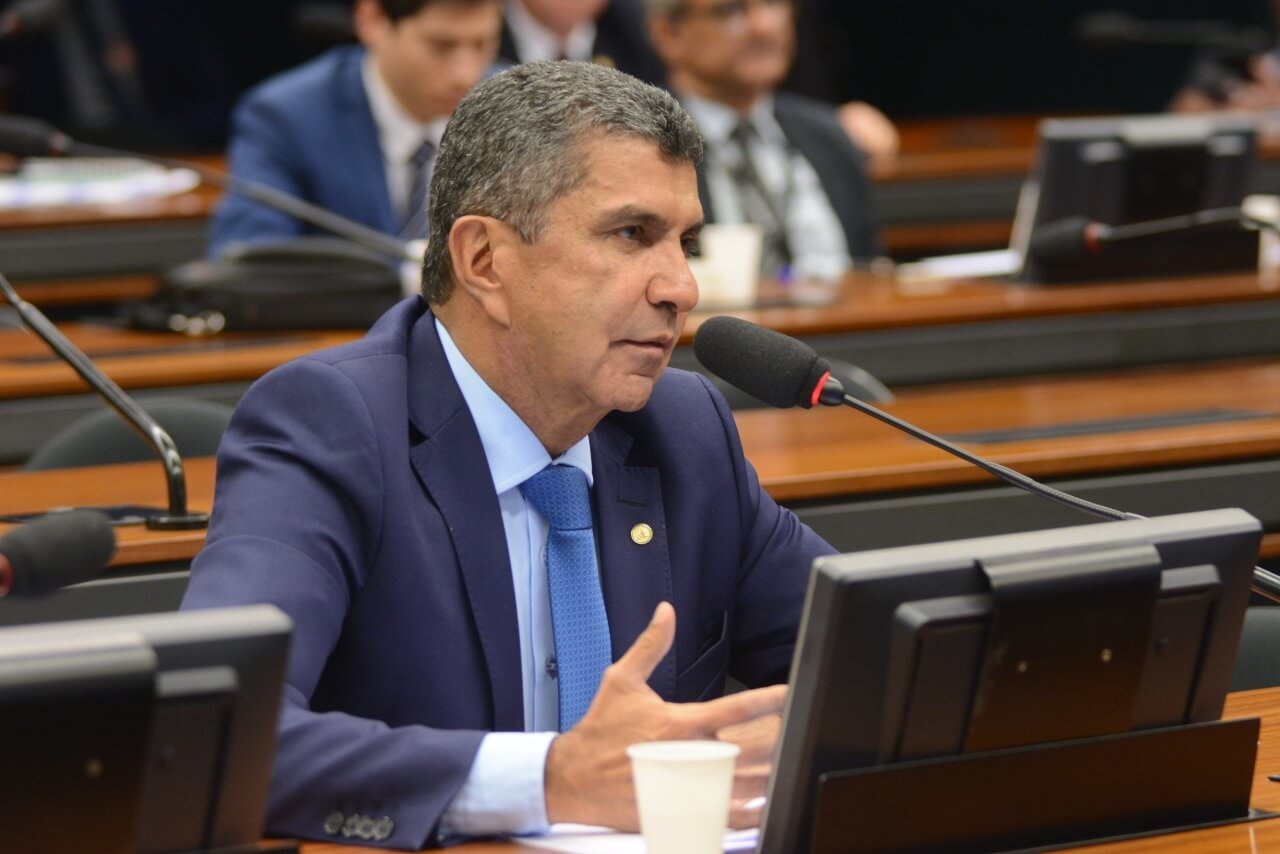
x=415, y=219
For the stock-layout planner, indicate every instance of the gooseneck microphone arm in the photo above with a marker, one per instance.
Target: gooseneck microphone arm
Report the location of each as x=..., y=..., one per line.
x=833, y=395
x=785, y=372
x=271, y=197
x=1265, y=582
x=27, y=137
x=178, y=517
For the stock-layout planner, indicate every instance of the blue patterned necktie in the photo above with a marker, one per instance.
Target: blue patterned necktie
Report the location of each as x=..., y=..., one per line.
x=578, y=619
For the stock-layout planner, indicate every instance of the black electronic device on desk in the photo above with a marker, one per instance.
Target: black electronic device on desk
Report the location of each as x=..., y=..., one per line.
x=187, y=705
x=1133, y=196
x=1018, y=691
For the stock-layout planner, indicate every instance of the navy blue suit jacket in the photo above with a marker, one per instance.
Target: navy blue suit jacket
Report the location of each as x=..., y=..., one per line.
x=309, y=132
x=353, y=493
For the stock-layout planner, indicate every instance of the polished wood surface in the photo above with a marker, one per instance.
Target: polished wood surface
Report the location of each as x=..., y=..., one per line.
x=932, y=151
x=865, y=302
x=1248, y=838
x=135, y=483
x=196, y=204
x=821, y=453
x=861, y=302
x=136, y=359
x=802, y=454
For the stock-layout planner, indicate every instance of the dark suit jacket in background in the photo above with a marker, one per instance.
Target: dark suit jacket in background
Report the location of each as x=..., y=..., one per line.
x=812, y=129
x=353, y=493
x=309, y=132
x=622, y=41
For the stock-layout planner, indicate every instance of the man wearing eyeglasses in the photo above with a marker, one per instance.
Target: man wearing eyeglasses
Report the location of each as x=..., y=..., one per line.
x=775, y=159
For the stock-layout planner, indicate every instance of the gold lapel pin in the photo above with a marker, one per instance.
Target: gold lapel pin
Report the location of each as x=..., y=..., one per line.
x=641, y=534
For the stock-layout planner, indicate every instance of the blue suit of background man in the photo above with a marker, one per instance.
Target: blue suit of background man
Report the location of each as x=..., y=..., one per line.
x=309, y=132
x=354, y=493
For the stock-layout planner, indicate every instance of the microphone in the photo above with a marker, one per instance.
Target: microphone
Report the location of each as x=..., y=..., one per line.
x=65, y=548
x=1076, y=238
x=784, y=372
x=177, y=517
x=30, y=17
x=1119, y=29
x=28, y=137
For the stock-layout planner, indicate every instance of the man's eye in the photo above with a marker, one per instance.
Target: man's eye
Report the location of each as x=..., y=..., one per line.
x=631, y=232
x=692, y=247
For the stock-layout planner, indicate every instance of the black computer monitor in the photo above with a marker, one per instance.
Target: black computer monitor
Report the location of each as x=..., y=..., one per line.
x=217, y=688
x=75, y=715
x=984, y=644
x=1130, y=169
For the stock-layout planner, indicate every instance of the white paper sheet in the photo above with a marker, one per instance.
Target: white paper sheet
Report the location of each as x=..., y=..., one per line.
x=585, y=839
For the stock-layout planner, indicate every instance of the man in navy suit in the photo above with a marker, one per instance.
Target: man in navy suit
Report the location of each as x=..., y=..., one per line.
x=420, y=502
x=775, y=159
x=355, y=130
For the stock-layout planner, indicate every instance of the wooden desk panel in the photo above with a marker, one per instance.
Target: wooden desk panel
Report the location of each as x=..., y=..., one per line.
x=838, y=454
x=1249, y=838
x=837, y=451
x=136, y=359
x=862, y=303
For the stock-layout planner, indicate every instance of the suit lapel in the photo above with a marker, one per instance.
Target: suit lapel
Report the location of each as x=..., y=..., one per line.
x=636, y=574
x=362, y=161
x=449, y=461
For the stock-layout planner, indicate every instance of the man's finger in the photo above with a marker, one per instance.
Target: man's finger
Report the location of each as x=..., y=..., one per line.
x=652, y=645
x=752, y=784
x=714, y=715
x=756, y=738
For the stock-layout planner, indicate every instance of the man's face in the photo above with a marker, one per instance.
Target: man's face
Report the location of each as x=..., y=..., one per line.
x=731, y=45
x=561, y=16
x=598, y=301
x=430, y=59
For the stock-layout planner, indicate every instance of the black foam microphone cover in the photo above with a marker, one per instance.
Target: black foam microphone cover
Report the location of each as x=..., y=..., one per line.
x=65, y=548
x=1063, y=241
x=26, y=137
x=771, y=367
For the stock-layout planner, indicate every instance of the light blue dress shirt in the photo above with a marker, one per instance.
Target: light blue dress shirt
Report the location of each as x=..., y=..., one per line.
x=504, y=791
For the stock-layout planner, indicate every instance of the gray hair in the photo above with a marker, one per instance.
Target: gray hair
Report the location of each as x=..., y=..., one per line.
x=513, y=147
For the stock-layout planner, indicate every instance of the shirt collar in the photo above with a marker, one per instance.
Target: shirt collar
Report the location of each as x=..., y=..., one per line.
x=717, y=120
x=399, y=133
x=536, y=43
x=513, y=452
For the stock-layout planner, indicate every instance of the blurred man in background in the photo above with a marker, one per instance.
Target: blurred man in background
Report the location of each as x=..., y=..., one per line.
x=606, y=32
x=355, y=130
x=775, y=159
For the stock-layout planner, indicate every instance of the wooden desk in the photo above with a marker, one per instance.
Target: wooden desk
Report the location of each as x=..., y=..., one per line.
x=904, y=334
x=863, y=485
x=40, y=395
x=1248, y=838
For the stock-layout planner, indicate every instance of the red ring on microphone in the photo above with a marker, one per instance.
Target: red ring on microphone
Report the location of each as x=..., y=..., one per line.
x=817, y=390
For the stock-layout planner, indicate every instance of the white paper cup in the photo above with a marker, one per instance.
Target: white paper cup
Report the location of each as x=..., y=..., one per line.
x=682, y=791
x=728, y=272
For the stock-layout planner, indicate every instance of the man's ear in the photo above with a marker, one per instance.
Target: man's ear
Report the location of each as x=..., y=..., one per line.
x=473, y=243
x=369, y=21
